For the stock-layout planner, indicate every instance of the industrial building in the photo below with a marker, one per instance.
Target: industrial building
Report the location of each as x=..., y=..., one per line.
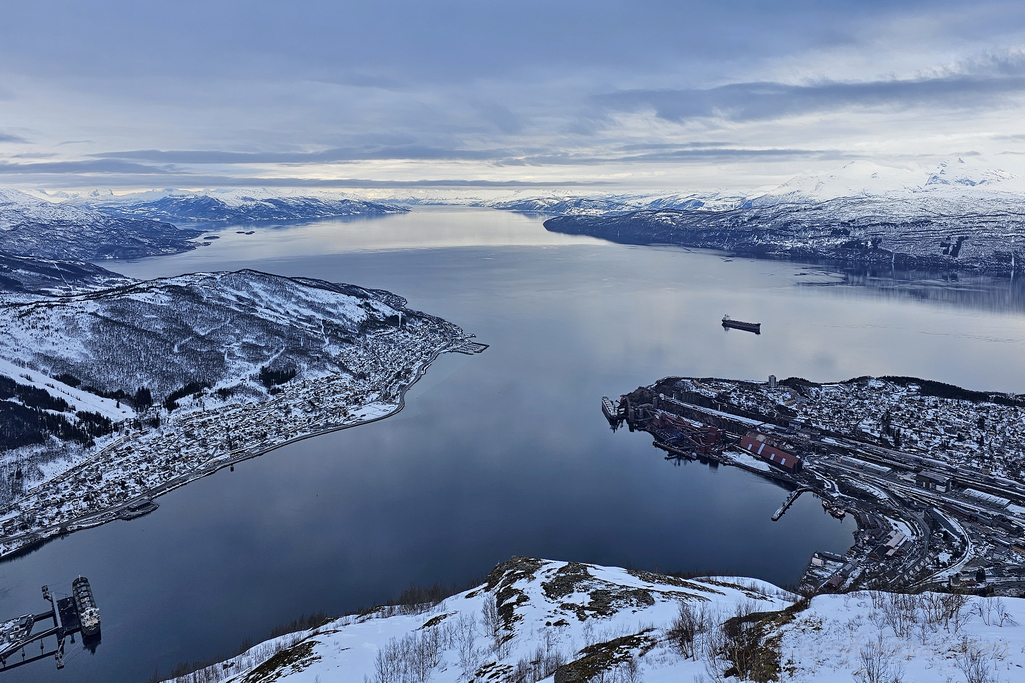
x=932, y=481
x=761, y=445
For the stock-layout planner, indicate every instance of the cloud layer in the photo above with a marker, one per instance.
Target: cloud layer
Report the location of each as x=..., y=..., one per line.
x=397, y=91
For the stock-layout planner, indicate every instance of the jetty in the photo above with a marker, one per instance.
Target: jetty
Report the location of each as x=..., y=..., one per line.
x=791, y=499
x=69, y=615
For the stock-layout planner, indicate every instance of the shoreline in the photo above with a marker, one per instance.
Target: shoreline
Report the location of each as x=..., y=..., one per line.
x=30, y=541
x=872, y=247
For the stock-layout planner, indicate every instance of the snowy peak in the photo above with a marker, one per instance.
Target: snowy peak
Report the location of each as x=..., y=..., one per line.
x=967, y=174
x=232, y=205
x=564, y=204
x=860, y=179
x=856, y=179
x=16, y=205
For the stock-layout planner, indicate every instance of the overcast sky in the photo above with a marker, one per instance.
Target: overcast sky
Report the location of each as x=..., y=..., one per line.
x=661, y=95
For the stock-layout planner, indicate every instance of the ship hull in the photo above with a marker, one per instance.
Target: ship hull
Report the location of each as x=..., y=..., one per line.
x=85, y=603
x=740, y=325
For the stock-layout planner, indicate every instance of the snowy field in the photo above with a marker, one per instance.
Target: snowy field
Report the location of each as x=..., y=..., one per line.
x=540, y=620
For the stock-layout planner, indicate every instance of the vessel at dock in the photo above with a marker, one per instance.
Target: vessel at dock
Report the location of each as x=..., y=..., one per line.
x=609, y=409
x=727, y=321
x=88, y=612
x=76, y=613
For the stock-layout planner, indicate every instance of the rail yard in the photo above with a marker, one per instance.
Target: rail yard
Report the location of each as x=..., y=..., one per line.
x=932, y=473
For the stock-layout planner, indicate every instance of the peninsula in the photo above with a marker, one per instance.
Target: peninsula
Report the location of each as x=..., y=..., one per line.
x=114, y=391
x=932, y=473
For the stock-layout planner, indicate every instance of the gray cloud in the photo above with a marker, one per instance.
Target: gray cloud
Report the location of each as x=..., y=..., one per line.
x=665, y=152
x=336, y=155
x=87, y=166
x=171, y=180
x=8, y=137
x=671, y=155
x=395, y=43
x=196, y=87
x=754, y=101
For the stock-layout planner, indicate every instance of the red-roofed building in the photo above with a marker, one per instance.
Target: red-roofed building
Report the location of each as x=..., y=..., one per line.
x=759, y=444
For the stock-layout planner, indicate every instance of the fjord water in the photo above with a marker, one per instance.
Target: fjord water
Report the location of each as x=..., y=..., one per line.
x=505, y=453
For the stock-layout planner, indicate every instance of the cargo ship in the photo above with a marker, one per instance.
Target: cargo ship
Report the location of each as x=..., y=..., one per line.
x=740, y=325
x=88, y=612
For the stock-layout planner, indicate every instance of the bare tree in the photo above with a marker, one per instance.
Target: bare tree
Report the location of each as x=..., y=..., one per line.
x=631, y=671
x=546, y=658
x=954, y=614
x=490, y=617
x=710, y=649
x=878, y=664
x=900, y=612
x=688, y=624
x=466, y=643
x=994, y=612
x=932, y=609
x=974, y=663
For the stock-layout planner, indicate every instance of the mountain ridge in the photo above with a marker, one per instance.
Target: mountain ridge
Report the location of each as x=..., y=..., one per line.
x=194, y=206
x=30, y=226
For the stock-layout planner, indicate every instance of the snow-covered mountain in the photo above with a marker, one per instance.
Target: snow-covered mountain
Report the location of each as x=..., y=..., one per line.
x=566, y=622
x=30, y=226
x=556, y=205
x=956, y=216
x=953, y=185
x=184, y=206
x=598, y=205
x=910, y=234
x=860, y=179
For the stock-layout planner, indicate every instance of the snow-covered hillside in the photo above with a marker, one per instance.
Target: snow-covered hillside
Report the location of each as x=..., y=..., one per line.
x=30, y=226
x=207, y=327
x=540, y=620
x=48, y=276
x=185, y=206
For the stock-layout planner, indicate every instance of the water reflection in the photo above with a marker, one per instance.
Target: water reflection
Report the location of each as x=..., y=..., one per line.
x=422, y=228
x=977, y=292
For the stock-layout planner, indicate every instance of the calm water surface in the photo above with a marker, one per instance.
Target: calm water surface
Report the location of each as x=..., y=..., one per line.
x=504, y=453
